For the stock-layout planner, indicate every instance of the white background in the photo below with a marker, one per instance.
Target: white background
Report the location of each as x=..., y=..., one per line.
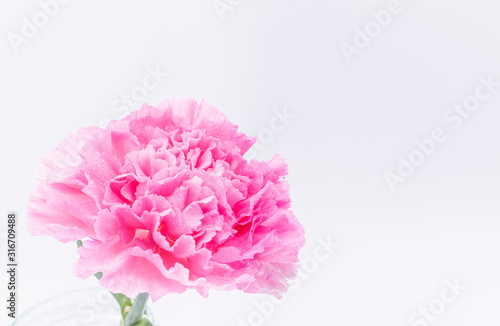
x=353, y=121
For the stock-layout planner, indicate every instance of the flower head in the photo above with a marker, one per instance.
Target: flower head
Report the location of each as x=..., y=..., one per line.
x=165, y=201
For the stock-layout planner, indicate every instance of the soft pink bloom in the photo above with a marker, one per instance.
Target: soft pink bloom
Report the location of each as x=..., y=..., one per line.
x=165, y=202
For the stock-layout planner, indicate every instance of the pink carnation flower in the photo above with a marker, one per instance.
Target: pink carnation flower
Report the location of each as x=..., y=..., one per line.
x=166, y=202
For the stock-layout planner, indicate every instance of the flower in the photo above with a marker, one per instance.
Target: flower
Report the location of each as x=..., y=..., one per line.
x=165, y=201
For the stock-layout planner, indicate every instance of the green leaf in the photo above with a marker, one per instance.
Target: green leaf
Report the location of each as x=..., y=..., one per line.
x=136, y=314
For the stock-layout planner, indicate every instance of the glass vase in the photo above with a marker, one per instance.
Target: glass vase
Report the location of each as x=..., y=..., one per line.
x=94, y=306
